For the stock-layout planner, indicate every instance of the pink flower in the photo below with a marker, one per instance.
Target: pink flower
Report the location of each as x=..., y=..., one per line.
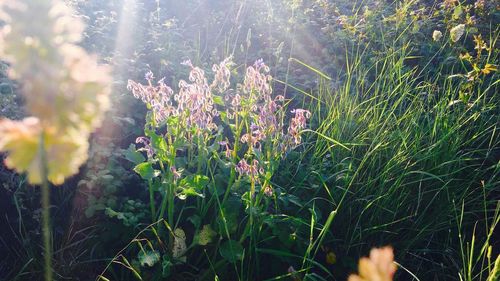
x=176, y=174
x=222, y=75
x=257, y=80
x=243, y=168
x=147, y=146
x=158, y=97
x=228, y=151
x=297, y=124
x=268, y=191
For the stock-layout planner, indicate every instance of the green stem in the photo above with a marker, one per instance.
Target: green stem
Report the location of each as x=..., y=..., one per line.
x=234, y=156
x=45, y=210
x=152, y=201
x=248, y=228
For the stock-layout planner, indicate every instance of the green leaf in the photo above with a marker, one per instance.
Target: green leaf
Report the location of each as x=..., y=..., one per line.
x=172, y=121
x=185, y=192
x=218, y=100
x=195, y=220
x=457, y=12
x=206, y=235
x=231, y=251
x=231, y=212
x=223, y=115
x=192, y=186
x=146, y=171
x=157, y=142
x=132, y=155
x=148, y=258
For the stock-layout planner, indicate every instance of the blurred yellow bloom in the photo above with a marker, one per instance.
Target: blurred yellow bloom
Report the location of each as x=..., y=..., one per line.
x=66, y=90
x=488, y=68
x=465, y=56
x=65, y=151
x=378, y=267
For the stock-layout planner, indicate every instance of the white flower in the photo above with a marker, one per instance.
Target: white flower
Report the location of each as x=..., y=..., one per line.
x=457, y=32
x=437, y=35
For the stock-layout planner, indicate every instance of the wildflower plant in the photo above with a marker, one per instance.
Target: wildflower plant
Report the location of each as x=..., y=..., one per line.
x=204, y=131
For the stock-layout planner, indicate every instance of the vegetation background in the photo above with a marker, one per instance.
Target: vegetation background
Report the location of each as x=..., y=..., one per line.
x=402, y=149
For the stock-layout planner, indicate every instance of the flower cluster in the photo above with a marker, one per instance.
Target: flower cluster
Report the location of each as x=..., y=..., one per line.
x=193, y=102
x=222, y=75
x=479, y=4
x=264, y=114
x=437, y=35
x=158, y=97
x=228, y=152
x=147, y=146
x=66, y=90
x=252, y=170
x=196, y=99
x=449, y=4
x=257, y=79
x=253, y=116
x=457, y=32
x=297, y=124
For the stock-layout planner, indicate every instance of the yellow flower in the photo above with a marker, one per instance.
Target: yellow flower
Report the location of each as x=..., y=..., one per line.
x=465, y=56
x=65, y=151
x=488, y=68
x=378, y=267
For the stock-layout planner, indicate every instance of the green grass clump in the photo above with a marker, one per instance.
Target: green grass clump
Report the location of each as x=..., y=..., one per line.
x=402, y=153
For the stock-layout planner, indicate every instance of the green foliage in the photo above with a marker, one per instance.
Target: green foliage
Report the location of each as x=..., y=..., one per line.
x=403, y=147
x=231, y=251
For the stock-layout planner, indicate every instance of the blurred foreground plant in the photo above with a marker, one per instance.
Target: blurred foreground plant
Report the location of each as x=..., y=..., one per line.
x=378, y=267
x=65, y=89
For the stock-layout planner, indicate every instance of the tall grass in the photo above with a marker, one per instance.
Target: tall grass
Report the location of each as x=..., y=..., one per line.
x=410, y=155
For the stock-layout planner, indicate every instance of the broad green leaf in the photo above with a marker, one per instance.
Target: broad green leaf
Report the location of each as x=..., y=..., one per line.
x=195, y=220
x=220, y=184
x=457, y=12
x=218, y=100
x=231, y=212
x=132, y=155
x=206, y=235
x=157, y=142
x=192, y=186
x=186, y=191
x=146, y=171
x=90, y=211
x=231, y=251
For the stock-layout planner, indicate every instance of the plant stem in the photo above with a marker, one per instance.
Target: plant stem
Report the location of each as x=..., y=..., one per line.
x=152, y=201
x=45, y=210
